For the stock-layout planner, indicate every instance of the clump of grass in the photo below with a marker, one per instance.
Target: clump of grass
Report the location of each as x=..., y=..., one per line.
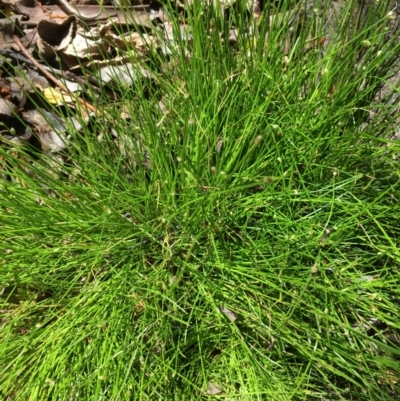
x=257, y=256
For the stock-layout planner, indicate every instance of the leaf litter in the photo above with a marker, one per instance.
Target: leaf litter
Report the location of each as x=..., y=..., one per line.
x=66, y=37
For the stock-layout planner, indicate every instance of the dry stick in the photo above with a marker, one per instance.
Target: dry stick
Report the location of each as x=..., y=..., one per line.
x=68, y=74
x=48, y=75
x=69, y=9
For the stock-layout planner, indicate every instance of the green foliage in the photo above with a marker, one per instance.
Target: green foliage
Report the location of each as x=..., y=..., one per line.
x=273, y=192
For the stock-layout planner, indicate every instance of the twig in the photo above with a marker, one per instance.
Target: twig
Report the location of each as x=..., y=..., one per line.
x=70, y=76
x=48, y=75
x=69, y=9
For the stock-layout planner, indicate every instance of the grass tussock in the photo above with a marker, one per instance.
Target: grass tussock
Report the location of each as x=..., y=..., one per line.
x=244, y=241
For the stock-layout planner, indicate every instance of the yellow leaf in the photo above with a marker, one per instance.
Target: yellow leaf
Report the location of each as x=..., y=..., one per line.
x=54, y=96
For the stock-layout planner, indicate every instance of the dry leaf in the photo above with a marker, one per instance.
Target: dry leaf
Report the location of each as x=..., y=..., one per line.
x=50, y=129
x=55, y=96
x=55, y=37
x=7, y=108
x=213, y=389
x=231, y=315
